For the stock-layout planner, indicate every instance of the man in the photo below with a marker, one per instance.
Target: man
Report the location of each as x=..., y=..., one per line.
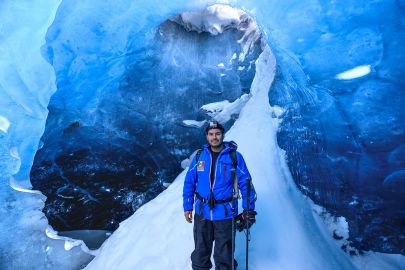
x=210, y=180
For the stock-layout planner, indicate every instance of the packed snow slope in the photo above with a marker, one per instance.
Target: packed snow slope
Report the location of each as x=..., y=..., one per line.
x=286, y=235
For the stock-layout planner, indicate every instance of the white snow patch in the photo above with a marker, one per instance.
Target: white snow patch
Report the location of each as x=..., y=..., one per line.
x=193, y=123
x=18, y=187
x=14, y=152
x=335, y=225
x=216, y=19
x=186, y=162
x=278, y=111
x=222, y=111
x=69, y=242
x=354, y=73
x=166, y=184
x=214, y=108
x=250, y=36
x=4, y=124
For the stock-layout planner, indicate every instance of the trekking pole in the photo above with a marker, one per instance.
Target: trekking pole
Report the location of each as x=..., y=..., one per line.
x=233, y=232
x=235, y=194
x=247, y=223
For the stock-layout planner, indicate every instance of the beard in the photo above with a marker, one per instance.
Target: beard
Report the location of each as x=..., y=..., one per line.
x=215, y=143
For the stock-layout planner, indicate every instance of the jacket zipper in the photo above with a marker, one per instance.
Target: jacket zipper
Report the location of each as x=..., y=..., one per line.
x=215, y=177
x=210, y=180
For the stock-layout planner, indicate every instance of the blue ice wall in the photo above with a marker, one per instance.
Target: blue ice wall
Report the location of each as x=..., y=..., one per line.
x=115, y=135
x=345, y=139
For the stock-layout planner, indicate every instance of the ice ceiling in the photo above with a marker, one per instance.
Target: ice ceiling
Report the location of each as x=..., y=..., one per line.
x=339, y=81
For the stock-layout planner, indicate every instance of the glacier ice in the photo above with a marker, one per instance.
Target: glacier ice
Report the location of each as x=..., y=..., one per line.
x=115, y=132
x=352, y=125
x=26, y=83
x=344, y=139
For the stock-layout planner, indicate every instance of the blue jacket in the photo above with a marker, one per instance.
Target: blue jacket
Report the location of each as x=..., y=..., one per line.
x=222, y=184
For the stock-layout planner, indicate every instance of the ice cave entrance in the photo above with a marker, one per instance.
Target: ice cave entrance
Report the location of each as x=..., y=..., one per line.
x=114, y=140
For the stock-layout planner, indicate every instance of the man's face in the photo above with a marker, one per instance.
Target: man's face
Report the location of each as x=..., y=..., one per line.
x=215, y=137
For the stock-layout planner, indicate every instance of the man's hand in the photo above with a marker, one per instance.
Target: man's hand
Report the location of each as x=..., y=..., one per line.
x=241, y=220
x=189, y=216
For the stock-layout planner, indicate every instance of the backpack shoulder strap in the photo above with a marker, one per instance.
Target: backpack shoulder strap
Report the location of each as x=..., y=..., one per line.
x=197, y=155
x=234, y=159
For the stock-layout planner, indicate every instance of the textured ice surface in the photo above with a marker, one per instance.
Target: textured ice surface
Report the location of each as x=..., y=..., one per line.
x=115, y=134
x=345, y=138
x=26, y=83
x=24, y=244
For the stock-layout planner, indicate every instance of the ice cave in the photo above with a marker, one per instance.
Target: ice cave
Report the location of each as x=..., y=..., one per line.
x=104, y=103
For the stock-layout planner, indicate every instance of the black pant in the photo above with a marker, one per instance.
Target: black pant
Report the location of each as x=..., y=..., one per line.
x=205, y=233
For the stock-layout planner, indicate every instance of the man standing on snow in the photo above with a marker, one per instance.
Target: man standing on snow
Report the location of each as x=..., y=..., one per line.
x=210, y=179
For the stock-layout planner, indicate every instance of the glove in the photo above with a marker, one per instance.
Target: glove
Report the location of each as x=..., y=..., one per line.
x=242, y=218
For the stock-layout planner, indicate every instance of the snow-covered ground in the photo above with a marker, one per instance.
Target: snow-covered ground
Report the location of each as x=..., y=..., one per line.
x=286, y=235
